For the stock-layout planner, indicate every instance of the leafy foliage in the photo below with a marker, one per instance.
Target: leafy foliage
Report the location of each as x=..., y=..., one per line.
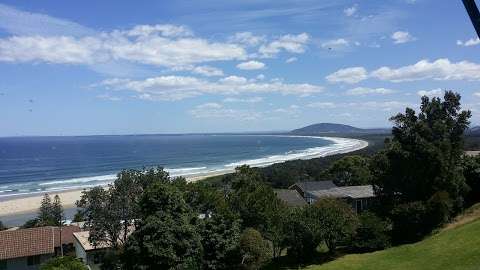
x=63, y=263
x=254, y=249
x=350, y=171
x=371, y=234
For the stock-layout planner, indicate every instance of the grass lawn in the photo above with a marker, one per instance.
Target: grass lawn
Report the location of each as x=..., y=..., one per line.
x=453, y=249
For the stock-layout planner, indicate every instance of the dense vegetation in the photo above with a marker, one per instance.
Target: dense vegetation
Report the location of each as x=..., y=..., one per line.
x=50, y=213
x=421, y=178
x=457, y=248
x=63, y=263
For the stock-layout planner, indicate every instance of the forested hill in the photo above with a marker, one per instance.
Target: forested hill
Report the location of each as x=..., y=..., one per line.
x=336, y=128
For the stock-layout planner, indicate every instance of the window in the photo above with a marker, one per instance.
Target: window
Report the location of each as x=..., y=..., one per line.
x=33, y=260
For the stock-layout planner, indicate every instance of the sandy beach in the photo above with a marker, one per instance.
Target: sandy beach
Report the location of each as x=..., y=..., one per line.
x=30, y=204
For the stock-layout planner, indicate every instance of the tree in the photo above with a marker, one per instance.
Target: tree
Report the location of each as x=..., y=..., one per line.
x=425, y=153
x=166, y=236
x=337, y=221
x=350, y=171
x=57, y=211
x=302, y=237
x=471, y=172
x=220, y=236
x=63, y=263
x=254, y=249
x=45, y=213
x=2, y=227
x=371, y=234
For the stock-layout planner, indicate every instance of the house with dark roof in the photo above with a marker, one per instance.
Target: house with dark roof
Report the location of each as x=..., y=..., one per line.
x=28, y=248
x=290, y=197
x=360, y=197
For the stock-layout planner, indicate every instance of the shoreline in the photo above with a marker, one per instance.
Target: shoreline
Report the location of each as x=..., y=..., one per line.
x=24, y=205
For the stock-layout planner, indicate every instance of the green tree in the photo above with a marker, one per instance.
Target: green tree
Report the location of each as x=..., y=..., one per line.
x=425, y=153
x=302, y=237
x=63, y=263
x=337, y=221
x=372, y=233
x=166, y=236
x=350, y=171
x=57, y=211
x=45, y=213
x=254, y=249
x=471, y=172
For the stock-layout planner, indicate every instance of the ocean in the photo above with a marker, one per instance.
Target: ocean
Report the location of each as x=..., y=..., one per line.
x=30, y=165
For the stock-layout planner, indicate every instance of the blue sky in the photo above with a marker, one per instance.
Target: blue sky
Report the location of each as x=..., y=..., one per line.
x=129, y=67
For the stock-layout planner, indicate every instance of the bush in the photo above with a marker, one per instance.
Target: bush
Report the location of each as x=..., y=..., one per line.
x=371, y=234
x=409, y=222
x=254, y=249
x=63, y=263
x=440, y=208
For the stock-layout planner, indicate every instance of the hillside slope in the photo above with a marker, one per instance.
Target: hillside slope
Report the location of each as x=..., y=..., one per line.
x=457, y=248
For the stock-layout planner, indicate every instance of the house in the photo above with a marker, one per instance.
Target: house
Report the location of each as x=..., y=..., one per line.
x=304, y=188
x=359, y=197
x=28, y=248
x=290, y=197
x=90, y=255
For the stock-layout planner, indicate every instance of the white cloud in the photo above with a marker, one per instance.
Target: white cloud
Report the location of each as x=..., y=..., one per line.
x=402, y=37
x=470, y=42
x=477, y=94
x=159, y=45
x=109, y=97
x=322, y=105
x=348, y=75
x=335, y=44
x=181, y=87
x=251, y=65
x=431, y=93
x=215, y=110
x=291, y=60
x=441, y=69
x=350, y=10
x=358, y=91
x=243, y=100
x=247, y=39
x=288, y=43
x=208, y=71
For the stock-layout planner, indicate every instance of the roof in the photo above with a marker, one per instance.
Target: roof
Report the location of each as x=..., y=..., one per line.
x=33, y=241
x=26, y=242
x=290, y=197
x=353, y=192
x=67, y=234
x=314, y=185
x=82, y=238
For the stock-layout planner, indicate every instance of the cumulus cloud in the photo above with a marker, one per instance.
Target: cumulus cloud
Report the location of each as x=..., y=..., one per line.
x=335, y=44
x=402, y=37
x=247, y=39
x=477, y=94
x=322, y=105
x=348, y=75
x=159, y=45
x=369, y=105
x=288, y=43
x=207, y=71
x=215, y=110
x=251, y=65
x=350, y=10
x=291, y=60
x=468, y=43
x=181, y=87
x=431, y=93
x=243, y=100
x=360, y=91
x=109, y=97
x=440, y=69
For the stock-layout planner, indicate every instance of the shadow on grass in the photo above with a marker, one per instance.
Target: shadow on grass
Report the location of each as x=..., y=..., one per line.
x=286, y=262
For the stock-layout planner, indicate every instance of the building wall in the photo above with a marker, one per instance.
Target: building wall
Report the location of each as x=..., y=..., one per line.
x=79, y=251
x=21, y=263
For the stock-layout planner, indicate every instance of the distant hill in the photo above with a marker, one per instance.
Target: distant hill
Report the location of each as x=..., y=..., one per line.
x=474, y=131
x=336, y=128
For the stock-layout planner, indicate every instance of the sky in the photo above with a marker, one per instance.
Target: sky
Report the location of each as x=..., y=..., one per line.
x=184, y=66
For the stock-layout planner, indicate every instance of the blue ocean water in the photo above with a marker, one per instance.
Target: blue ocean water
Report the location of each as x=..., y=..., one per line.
x=38, y=164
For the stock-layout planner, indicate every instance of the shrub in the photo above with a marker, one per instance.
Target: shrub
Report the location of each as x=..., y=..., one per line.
x=63, y=263
x=254, y=249
x=409, y=222
x=371, y=234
